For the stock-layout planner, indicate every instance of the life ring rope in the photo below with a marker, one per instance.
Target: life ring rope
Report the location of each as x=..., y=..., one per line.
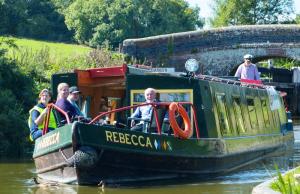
x=185, y=133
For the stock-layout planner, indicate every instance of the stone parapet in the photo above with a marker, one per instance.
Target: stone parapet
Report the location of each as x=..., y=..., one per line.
x=218, y=50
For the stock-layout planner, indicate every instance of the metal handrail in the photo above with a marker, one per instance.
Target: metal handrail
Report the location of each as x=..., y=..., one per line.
x=50, y=107
x=229, y=81
x=154, y=105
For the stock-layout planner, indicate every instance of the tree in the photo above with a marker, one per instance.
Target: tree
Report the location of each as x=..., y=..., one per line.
x=61, y=5
x=97, y=21
x=15, y=100
x=297, y=20
x=242, y=12
x=12, y=13
x=44, y=22
x=34, y=19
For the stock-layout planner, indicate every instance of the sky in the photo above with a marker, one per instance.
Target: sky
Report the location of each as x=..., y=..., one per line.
x=205, y=8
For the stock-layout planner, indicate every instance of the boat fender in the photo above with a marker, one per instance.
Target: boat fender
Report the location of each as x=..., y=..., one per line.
x=187, y=132
x=85, y=156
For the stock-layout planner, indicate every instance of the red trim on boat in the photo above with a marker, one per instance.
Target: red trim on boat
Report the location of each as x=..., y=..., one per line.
x=50, y=107
x=108, y=71
x=250, y=81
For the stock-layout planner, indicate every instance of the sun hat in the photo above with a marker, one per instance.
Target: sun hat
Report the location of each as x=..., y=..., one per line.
x=248, y=56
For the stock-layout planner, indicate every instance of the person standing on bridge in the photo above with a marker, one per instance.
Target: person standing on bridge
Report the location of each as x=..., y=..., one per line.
x=247, y=70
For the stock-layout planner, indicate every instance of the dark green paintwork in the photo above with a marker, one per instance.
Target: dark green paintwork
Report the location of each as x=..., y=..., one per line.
x=96, y=136
x=205, y=103
x=54, y=140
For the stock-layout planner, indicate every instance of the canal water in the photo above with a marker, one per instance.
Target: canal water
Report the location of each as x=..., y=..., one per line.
x=17, y=177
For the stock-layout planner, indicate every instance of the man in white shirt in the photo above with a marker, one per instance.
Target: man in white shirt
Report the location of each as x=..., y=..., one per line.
x=144, y=112
x=247, y=70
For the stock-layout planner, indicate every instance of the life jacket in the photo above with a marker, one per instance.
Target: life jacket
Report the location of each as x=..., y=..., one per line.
x=52, y=121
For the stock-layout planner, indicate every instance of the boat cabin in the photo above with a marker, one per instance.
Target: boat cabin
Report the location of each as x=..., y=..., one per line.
x=224, y=107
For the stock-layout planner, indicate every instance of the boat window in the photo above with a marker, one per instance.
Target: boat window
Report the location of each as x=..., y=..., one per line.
x=252, y=113
x=276, y=118
x=238, y=114
x=282, y=113
x=265, y=112
x=85, y=105
x=222, y=113
x=163, y=95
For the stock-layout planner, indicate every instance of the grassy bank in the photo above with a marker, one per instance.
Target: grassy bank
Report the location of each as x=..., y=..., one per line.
x=287, y=183
x=41, y=59
x=56, y=50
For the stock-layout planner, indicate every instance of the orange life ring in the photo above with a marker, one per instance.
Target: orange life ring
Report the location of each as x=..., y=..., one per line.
x=187, y=132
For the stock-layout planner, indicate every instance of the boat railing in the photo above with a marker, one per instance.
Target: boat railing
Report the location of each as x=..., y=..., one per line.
x=155, y=106
x=56, y=108
x=242, y=82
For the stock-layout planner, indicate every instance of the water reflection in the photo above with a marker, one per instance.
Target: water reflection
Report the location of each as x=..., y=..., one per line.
x=207, y=188
x=17, y=177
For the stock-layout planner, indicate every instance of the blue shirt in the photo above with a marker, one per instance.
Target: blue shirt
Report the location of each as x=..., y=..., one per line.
x=78, y=111
x=67, y=107
x=247, y=72
x=143, y=112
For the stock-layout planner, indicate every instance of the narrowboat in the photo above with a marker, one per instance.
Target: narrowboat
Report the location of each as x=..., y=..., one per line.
x=213, y=126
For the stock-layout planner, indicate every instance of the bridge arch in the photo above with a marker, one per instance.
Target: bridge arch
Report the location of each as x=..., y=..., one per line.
x=218, y=50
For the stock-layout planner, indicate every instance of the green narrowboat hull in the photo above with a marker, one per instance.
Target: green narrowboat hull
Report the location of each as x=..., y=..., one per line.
x=233, y=124
x=94, y=154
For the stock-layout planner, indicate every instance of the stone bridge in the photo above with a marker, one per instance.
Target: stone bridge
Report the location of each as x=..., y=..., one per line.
x=219, y=51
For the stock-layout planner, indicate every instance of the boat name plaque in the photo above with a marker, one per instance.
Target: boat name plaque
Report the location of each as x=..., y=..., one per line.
x=138, y=140
x=129, y=139
x=48, y=141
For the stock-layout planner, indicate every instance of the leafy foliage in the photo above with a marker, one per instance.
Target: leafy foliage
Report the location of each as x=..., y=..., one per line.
x=97, y=21
x=39, y=60
x=286, y=184
x=6, y=43
x=286, y=63
x=16, y=97
x=242, y=12
x=34, y=18
x=297, y=19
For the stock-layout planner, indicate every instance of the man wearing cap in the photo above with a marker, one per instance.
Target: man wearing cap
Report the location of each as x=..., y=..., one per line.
x=247, y=70
x=73, y=98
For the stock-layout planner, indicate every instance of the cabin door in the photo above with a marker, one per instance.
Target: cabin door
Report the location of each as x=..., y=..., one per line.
x=69, y=78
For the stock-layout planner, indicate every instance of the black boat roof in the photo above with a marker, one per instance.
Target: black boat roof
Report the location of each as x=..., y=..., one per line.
x=146, y=70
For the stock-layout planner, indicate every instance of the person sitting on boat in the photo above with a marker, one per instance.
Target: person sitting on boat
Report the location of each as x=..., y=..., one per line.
x=73, y=97
x=63, y=103
x=38, y=114
x=103, y=107
x=143, y=112
x=247, y=70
